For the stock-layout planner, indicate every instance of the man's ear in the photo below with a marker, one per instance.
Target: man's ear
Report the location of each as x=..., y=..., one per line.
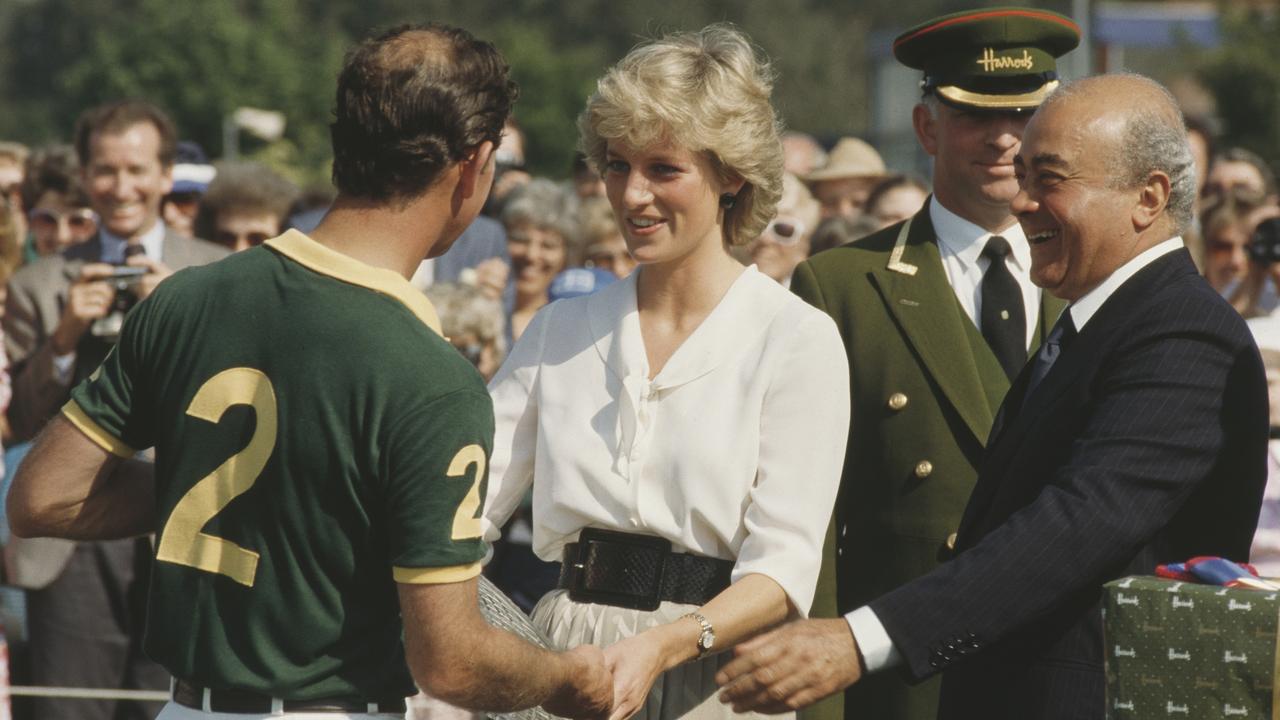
x=926, y=127
x=1153, y=199
x=476, y=170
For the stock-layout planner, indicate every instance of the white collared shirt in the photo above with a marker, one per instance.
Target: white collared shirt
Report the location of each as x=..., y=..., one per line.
x=878, y=651
x=1084, y=308
x=960, y=243
x=733, y=450
x=113, y=247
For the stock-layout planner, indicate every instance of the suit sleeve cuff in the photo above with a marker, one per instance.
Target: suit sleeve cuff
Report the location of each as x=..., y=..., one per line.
x=877, y=649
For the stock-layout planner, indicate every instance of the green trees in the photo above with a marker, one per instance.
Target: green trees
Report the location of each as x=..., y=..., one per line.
x=201, y=60
x=1244, y=76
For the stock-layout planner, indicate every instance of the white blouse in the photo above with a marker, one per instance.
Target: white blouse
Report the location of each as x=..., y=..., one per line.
x=734, y=450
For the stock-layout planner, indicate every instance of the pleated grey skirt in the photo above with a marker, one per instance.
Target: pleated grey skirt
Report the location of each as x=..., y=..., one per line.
x=687, y=691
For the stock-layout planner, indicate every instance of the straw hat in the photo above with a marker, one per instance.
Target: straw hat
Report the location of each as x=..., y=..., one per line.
x=850, y=158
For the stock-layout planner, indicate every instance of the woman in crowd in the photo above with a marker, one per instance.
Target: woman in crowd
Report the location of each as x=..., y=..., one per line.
x=56, y=202
x=603, y=245
x=784, y=244
x=541, y=226
x=896, y=198
x=683, y=428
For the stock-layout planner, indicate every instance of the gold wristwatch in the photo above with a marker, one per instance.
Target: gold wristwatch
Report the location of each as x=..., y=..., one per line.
x=707, y=638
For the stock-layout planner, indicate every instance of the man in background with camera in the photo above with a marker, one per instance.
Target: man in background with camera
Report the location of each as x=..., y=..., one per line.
x=62, y=315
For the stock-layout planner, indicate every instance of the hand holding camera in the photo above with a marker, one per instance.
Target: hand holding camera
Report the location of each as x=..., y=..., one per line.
x=1264, y=262
x=1264, y=247
x=100, y=298
x=155, y=271
x=89, y=298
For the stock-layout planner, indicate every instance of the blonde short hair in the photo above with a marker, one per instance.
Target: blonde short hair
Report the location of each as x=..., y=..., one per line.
x=707, y=91
x=466, y=309
x=598, y=223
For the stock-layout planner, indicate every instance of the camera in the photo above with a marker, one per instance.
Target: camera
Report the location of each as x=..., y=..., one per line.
x=1264, y=247
x=124, y=280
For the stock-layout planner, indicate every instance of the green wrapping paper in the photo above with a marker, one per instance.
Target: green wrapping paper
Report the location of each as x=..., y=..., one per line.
x=1181, y=650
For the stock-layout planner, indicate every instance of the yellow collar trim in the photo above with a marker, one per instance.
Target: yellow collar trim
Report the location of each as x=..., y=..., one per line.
x=311, y=254
x=1029, y=100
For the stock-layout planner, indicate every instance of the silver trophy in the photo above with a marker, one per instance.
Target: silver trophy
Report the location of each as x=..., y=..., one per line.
x=500, y=612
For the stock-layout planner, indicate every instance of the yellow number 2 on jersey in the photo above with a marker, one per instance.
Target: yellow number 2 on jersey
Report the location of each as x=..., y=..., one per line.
x=182, y=541
x=466, y=521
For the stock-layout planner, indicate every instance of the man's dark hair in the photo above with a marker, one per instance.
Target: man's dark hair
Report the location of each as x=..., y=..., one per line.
x=53, y=168
x=118, y=117
x=411, y=102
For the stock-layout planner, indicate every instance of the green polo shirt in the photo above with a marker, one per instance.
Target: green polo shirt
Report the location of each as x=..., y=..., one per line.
x=317, y=441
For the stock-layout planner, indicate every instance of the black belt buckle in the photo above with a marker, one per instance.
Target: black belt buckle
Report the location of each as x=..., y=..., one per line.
x=620, y=569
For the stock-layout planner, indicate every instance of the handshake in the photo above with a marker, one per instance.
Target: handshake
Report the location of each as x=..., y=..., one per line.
x=780, y=671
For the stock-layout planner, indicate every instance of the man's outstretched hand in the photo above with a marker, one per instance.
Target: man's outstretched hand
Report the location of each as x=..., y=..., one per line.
x=791, y=667
x=588, y=694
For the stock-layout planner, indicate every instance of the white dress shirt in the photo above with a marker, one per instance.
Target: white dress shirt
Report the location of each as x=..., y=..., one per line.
x=960, y=243
x=733, y=450
x=113, y=247
x=878, y=651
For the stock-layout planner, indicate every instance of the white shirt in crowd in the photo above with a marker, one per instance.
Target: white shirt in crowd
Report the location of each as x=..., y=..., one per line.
x=733, y=450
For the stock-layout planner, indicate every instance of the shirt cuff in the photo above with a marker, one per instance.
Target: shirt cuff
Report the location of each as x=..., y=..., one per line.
x=877, y=649
x=63, y=366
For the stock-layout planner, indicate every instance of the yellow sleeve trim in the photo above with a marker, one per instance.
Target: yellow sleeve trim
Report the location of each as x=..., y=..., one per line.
x=435, y=576
x=94, y=431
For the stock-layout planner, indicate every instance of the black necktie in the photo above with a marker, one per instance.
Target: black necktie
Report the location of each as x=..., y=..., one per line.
x=1063, y=332
x=1003, y=319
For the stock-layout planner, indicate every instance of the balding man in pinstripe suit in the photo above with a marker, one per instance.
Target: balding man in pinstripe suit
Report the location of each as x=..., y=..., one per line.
x=1136, y=437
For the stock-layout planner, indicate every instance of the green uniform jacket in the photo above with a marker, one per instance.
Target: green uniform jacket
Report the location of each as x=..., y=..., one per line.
x=926, y=388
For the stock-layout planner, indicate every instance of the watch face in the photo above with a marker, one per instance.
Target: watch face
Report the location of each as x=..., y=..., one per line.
x=707, y=639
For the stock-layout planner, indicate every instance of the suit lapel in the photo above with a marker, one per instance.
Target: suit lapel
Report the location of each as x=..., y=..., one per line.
x=1050, y=308
x=925, y=308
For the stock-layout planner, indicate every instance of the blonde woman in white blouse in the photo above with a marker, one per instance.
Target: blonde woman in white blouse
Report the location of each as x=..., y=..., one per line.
x=696, y=406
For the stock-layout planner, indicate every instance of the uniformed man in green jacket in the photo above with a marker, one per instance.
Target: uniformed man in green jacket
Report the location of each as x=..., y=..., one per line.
x=938, y=314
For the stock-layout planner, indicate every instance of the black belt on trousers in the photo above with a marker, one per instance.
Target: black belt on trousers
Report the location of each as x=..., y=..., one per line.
x=638, y=571
x=241, y=701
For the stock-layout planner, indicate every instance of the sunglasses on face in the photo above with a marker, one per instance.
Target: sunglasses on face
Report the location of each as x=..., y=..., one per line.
x=78, y=221
x=786, y=230
x=187, y=202
x=230, y=239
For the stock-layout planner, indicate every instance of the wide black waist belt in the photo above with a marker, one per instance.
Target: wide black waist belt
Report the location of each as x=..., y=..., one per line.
x=638, y=571
x=240, y=701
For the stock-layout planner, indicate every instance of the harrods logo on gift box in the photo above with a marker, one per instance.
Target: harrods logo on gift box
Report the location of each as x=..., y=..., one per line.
x=1182, y=649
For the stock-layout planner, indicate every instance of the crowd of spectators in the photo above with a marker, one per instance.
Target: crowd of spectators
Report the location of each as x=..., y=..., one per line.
x=64, y=208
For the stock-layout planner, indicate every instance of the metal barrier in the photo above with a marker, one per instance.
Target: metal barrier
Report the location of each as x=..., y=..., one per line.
x=85, y=693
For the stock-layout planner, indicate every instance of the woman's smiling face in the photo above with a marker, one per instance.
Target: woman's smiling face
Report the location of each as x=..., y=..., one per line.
x=666, y=198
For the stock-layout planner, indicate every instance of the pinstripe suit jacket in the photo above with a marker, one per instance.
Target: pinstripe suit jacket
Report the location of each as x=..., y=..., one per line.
x=1145, y=443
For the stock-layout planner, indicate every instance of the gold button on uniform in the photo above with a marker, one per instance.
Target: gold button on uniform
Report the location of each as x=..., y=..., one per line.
x=924, y=468
x=897, y=401
x=951, y=541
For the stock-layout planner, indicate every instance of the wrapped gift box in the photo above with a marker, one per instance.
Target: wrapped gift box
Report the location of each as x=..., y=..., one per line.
x=1182, y=650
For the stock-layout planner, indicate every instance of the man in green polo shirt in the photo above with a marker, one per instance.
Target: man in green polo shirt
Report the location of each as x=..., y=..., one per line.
x=321, y=450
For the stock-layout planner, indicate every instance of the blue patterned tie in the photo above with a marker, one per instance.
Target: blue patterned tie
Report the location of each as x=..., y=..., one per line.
x=1064, y=331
